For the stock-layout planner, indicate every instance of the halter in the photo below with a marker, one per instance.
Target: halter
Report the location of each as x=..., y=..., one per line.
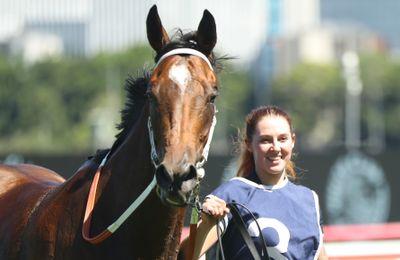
x=154, y=157
x=155, y=160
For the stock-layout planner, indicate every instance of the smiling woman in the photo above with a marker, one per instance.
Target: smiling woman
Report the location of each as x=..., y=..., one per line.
x=287, y=213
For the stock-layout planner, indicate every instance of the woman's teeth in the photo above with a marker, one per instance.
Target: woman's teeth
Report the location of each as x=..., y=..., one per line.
x=274, y=158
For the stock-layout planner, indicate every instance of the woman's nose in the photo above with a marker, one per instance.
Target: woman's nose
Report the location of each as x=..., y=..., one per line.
x=276, y=146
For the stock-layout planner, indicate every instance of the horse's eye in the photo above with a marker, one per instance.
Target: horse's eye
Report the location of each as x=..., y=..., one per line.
x=149, y=95
x=212, y=98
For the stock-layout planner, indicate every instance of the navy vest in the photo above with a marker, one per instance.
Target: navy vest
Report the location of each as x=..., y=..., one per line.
x=288, y=215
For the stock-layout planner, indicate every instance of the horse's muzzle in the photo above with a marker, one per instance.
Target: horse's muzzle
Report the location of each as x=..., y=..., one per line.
x=175, y=189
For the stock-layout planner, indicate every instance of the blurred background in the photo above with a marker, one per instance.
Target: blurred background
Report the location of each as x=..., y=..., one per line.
x=334, y=65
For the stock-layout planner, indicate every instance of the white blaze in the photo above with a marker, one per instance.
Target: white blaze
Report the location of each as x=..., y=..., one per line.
x=180, y=75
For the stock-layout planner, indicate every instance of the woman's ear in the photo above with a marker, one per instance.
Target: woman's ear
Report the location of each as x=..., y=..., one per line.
x=293, y=139
x=248, y=146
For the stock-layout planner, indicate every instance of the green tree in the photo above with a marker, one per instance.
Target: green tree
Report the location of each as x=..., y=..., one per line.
x=314, y=96
x=49, y=106
x=235, y=91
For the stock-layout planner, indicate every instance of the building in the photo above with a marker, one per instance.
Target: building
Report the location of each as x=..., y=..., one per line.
x=285, y=20
x=87, y=27
x=378, y=16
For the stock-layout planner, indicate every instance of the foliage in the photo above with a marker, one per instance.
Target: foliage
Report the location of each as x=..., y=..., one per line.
x=391, y=103
x=231, y=104
x=47, y=106
x=54, y=105
x=315, y=97
x=50, y=105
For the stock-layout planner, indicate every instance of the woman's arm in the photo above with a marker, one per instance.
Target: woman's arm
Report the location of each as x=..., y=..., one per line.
x=322, y=254
x=206, y=236
x=213, y=209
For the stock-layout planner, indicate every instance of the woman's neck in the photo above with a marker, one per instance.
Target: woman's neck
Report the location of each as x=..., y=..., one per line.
x=272, y=179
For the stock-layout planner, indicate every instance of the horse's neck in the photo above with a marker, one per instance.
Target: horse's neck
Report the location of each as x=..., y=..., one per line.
x=125, y=176
x=127, y=171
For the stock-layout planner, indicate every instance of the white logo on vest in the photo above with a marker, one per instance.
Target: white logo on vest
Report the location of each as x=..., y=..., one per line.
x=280, y=228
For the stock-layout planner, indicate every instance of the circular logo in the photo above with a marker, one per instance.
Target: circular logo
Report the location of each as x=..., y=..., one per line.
x=357, y=191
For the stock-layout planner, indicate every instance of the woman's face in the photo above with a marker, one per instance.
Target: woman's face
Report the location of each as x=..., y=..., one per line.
x=272, y=145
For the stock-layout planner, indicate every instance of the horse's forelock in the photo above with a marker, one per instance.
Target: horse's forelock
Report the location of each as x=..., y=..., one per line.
x=181, y=39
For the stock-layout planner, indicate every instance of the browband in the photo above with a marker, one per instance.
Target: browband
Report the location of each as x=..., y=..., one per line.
x=185, y=51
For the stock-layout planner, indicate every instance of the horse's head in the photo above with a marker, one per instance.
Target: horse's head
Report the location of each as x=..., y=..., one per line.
x=181, y=94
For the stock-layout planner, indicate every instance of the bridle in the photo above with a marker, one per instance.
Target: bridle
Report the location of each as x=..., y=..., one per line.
x=155, y=160
x=154, y=157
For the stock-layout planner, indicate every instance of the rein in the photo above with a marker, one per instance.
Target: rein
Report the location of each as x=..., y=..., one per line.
x=155, y=160
x=241, y=226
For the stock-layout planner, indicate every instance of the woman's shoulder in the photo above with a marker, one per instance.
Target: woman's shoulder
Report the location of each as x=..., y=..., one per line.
x=241, y=181
x=298, y=186
x=302, y=191
x=237, y=183
x=235, y=188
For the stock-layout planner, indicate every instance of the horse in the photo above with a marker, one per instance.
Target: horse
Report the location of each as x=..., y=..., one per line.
x=156, y=161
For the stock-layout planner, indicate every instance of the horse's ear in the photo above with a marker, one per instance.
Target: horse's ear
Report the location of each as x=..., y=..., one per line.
x=156, y=33
x=207, y=33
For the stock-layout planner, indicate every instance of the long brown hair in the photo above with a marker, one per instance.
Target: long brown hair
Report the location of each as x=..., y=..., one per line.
x=246, y=159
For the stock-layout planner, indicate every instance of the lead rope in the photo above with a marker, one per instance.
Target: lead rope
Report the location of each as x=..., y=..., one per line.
x=114, y=226
x=194, y=219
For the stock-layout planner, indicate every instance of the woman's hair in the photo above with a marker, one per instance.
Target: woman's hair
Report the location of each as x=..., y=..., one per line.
x=246, y=159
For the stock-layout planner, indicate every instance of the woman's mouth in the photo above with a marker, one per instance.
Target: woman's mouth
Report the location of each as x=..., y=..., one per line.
x=274, y=159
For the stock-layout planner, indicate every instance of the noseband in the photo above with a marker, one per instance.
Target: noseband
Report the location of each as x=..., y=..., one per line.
x=199, y=165
x=155, y=160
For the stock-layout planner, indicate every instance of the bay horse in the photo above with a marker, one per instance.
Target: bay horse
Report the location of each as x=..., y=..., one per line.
x=156, y=162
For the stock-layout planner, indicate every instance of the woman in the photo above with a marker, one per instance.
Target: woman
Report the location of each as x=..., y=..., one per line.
x=288, y=214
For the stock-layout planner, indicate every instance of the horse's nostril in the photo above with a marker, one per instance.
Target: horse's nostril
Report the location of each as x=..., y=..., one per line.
x=178, y=180
x=164, y=180
x=192, y=173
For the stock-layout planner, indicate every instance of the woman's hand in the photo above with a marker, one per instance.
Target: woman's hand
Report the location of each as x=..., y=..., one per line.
x=215, y=207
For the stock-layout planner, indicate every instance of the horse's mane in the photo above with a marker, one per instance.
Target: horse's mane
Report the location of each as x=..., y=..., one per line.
x=136, y=87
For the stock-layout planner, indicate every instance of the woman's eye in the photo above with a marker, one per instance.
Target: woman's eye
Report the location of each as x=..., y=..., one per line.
x=283, y=139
